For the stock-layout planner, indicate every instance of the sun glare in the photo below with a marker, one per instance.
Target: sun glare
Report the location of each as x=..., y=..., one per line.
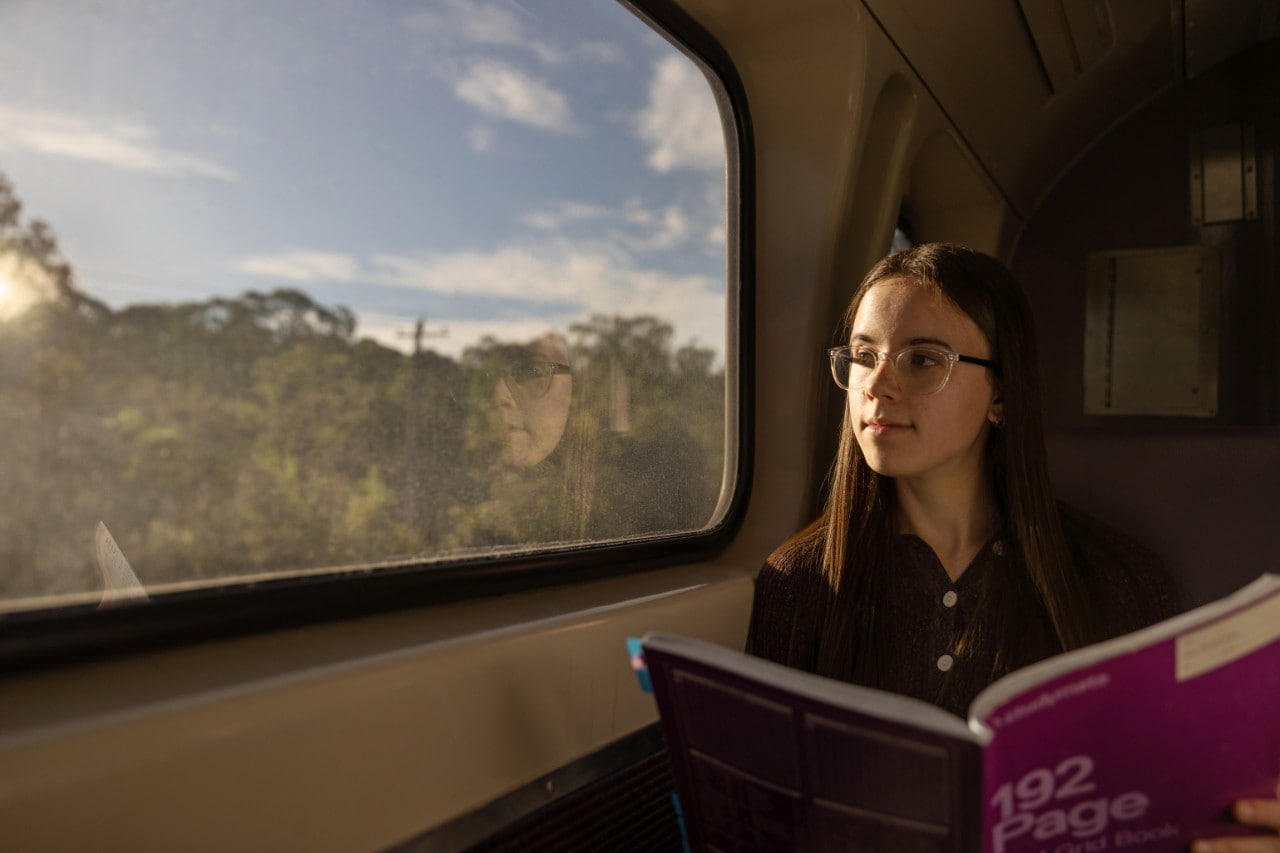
x=13, y=299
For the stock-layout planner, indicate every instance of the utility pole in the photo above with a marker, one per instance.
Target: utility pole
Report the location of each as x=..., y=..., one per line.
x=413, y=483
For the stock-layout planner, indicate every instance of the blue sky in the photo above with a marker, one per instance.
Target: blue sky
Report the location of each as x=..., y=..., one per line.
x=495, y=167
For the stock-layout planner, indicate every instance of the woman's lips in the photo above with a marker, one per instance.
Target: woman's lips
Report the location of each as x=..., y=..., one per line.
x=884, y=428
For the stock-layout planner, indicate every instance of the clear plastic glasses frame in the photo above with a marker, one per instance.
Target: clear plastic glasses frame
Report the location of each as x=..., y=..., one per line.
x=919, y=370
x=533, y=380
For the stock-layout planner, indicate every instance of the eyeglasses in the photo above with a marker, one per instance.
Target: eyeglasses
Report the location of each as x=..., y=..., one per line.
x=919, y=370
x=531, y=380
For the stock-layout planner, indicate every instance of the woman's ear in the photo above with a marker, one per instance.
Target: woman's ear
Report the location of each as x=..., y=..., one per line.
x=995, y=414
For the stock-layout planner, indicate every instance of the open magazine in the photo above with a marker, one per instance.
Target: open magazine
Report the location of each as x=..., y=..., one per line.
x=1140, y=743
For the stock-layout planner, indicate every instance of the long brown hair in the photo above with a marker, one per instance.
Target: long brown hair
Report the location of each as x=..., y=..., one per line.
x=857, y=525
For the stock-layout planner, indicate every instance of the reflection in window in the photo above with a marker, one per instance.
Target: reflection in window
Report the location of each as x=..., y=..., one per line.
x=349, y=284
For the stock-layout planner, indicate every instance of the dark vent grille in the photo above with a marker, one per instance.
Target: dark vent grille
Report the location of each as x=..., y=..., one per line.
x=616, y=799
x=628, y=811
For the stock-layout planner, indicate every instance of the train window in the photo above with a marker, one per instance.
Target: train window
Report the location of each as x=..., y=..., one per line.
x=288, y=288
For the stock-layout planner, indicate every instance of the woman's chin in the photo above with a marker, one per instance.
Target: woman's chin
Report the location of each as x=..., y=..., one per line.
x=520, y=451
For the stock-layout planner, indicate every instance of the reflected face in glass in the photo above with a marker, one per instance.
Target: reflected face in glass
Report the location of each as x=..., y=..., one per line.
x=532, y=394
x=921, y=436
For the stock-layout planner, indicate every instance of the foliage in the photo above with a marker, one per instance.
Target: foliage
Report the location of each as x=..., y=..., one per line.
x=232, y=437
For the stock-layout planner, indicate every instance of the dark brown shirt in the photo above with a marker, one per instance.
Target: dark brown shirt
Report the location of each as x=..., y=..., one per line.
x=925, y=612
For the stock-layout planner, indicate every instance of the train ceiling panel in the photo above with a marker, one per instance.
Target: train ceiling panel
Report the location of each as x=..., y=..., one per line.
x=1032, y=84
x=1216, y=30
x=1070, y=35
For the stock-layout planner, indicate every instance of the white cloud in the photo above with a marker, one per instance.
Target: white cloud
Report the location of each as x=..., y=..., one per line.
x=452, y=337
x=715, y=203
x=577, y=259
x=476, y=23
x=470, y=23
x=638, y=227
x=571, y=281
x=587, y=279
x=654, y=230
x=119, y=145
x=717, y=236
x=510, y=272
x=681, y=122
x=565, y=214
x=547, y=52
x=504, y=92
x=301, y=266
x=481, y=138
x=600, y=51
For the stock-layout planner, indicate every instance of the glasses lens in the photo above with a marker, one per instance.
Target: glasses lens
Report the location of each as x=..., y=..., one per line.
x=922, y=371
x=852, y=366
x=530, y=381
x=918, y=370
x=840, y=367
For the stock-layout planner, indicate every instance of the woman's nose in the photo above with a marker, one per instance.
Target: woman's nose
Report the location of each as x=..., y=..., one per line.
x=502, y=395
x=883, y=381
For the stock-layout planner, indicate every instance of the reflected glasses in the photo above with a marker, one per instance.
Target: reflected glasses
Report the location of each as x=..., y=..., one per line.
x=531, y=381
x=919, y=370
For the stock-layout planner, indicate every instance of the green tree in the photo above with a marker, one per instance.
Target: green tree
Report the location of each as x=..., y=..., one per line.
x=257, y=434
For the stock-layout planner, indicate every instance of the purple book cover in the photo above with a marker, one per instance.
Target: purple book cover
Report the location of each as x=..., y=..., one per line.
x=1142, y=743
x=767, y=758
x=1137, y=744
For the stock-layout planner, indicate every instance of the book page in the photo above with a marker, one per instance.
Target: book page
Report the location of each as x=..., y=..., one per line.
x=119, y=582
x=1222, y=642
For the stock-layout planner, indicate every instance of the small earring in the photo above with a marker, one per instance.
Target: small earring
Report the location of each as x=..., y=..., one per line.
x=998, y=423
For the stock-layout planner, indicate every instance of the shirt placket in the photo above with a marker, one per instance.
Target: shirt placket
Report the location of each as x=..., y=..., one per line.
x=947, y=601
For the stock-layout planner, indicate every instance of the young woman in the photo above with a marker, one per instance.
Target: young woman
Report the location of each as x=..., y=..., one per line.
x=942, y=561
x=556, y=456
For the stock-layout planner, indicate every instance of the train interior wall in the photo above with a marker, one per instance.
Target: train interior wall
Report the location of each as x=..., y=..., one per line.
x=1200, y=491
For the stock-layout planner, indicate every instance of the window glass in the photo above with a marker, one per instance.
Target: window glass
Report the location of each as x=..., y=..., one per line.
x=294, y=285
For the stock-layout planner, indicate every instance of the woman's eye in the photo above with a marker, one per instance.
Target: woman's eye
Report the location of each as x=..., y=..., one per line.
x=923, y=359
x=863, y=358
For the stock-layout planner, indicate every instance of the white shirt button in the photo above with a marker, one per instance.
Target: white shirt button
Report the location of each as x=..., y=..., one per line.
x=949, y=598
x=945, y=662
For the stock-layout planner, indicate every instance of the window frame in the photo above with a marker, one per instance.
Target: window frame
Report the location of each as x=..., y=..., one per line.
x=56, y=636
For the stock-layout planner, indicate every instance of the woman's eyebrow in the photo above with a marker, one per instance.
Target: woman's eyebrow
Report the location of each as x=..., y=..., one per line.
x=913, y=342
